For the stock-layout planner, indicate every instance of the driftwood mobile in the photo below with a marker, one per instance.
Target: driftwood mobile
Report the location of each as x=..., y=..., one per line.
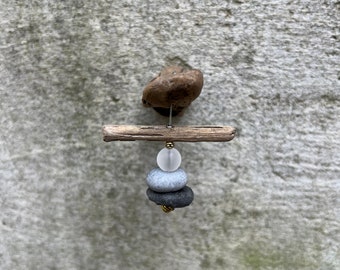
x=170, y=93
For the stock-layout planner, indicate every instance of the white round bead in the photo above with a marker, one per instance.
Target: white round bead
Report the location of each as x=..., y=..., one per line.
x=169, y=160
x=161, y=181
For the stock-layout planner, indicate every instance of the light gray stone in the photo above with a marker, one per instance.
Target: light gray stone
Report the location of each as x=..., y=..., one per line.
x=161, y=181
x=269, y=199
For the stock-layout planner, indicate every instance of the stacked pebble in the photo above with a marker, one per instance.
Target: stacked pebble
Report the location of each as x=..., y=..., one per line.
x=167, y=184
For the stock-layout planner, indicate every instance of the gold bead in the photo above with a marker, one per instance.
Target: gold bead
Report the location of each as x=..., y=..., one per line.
x=169, y=145
x=167, y=209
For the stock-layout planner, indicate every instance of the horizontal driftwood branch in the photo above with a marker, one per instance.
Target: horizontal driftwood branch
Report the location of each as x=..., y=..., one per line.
x=163, y=133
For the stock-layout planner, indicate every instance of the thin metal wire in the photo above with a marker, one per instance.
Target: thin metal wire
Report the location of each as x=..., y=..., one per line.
x=170, y=118
x=170, y=145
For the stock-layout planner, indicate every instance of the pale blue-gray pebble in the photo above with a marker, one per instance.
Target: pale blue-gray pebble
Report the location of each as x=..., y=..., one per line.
x=161, y=181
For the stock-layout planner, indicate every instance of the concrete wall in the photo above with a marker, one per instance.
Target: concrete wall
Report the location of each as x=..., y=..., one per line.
x=269, y=199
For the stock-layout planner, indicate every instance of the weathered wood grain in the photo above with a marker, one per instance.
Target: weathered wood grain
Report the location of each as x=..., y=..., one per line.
x=163, y=133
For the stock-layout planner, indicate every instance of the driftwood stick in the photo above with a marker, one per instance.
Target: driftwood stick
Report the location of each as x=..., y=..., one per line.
x=163, y=133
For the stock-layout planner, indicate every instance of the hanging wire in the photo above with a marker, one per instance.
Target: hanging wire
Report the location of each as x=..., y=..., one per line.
x=169, y=145
x=170, y=118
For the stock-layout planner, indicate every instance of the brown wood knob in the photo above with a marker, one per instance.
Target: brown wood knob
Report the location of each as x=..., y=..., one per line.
x=174, y=86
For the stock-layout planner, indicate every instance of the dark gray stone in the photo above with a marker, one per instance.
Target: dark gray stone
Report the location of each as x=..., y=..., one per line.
x=177, y=199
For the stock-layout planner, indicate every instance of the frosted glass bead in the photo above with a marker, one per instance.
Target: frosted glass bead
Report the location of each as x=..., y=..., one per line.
x=161, y=181
x=169, y=160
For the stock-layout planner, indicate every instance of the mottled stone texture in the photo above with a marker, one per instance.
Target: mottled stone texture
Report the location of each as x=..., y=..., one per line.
x=269, y=199
x=174, y=86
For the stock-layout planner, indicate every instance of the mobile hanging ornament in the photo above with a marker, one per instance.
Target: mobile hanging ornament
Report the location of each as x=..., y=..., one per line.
x=167, y=184
x=170, y=93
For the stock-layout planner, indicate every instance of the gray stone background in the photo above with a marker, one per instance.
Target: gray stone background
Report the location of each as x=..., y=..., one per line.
x=269, y=199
